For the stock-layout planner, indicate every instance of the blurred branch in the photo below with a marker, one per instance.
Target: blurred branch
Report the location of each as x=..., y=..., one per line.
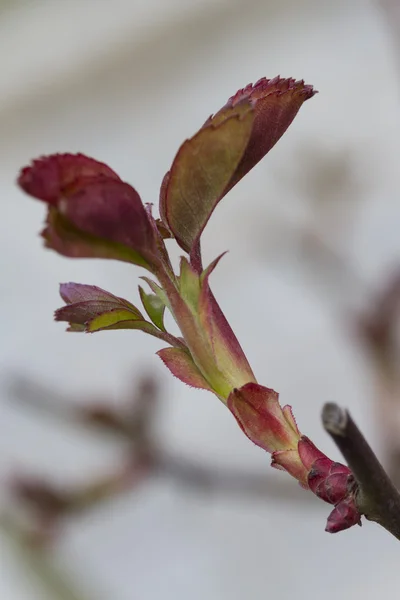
x=330, y=194
x=32, y=395
x=377, y=497
x=330, y=266
x=377, y=326
x=51, y=505
x=230, y=481
x=327, y=193
x=36, y=560
x=96, y=412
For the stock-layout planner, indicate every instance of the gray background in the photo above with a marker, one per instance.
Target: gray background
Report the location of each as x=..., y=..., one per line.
x=126, y=81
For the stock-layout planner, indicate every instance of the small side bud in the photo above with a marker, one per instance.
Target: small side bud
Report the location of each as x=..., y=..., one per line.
x=344, y=515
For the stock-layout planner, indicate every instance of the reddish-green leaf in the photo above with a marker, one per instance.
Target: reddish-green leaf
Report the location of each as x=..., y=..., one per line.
x=87, y=302
x=61, y=236
x=201, y=172
x=90, y=308
x=228, y=145
x=276, y=103
x=181, y=364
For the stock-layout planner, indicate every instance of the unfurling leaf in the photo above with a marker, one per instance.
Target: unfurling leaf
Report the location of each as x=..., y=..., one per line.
x=157, y=290
x=154, y=307
x=86, y=304
x=91, y=309
x=181, y=364
x=229, y=144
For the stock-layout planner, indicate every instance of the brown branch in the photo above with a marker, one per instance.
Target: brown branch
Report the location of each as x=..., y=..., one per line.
x=377, y=497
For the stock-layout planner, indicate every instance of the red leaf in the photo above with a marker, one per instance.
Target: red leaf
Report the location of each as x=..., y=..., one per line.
x=50, y=177
x=67, y=240
x=92, y=212
x=111, y=210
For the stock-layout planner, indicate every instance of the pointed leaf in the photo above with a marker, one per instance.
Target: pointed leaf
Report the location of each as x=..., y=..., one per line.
x=229, y=144
x=157, y=290
x=181, y=365
x=154, y=307
x=276, y=103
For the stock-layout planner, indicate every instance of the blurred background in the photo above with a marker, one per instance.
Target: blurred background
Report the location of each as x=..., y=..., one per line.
x=117, y=481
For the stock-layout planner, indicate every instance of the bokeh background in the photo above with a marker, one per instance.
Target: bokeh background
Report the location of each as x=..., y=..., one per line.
x=312, y=234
